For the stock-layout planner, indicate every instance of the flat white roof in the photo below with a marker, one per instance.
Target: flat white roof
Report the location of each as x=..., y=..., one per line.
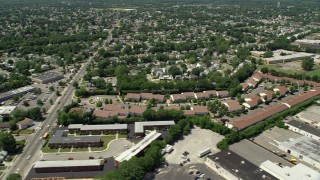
x=98, y=127
x=138, y=126
x=22, y=89
x=134, y=150
x=297, y=172
x=69, y=163
x=7, y=109
x=75, y=126
x=291, y=56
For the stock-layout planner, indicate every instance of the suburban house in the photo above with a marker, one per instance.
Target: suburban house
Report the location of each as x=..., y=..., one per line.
x=24, y=123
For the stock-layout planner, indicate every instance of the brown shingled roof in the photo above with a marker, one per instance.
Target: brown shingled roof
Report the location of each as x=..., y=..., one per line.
x=233, y=105
x=246, y=121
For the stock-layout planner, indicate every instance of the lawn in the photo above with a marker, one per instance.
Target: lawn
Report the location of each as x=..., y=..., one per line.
x=46, y=149
x=3, y=168
x=316, y=69
x=62, y=150
x=106, y=140
x=79, y=149
x=122, y=135
x=24, y=131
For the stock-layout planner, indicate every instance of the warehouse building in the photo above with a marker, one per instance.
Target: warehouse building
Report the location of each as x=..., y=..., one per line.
x=61, y=140
x=68, y=166
x=140, y=127
x=304, y=129
x=297, y=172
x=137, y=148
x=47, y=77
x=98, y=129
x=23, y=90
x=287, y=58
x=304, y=148
x=231, y=166
x=6, y=110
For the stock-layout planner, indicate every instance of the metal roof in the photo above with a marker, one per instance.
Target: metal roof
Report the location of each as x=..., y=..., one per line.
x=299, y=171
x=134, y=150
x=69, y=163
x=98, y=127
x=304, y=127
x=138, y=126
x=6, y=109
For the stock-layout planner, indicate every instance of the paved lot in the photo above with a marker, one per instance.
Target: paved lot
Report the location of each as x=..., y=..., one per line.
x=256, y=154
x=312, y=114
x=177, y=172
x=116, y=147
x=197, y=141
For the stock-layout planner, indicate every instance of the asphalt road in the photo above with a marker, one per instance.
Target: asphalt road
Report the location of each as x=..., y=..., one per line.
x=22, y=164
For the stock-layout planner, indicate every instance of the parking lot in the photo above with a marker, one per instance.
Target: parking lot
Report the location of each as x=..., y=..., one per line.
x=191, y=171
x=311, y=115
x=32, y=98
x=197, y=141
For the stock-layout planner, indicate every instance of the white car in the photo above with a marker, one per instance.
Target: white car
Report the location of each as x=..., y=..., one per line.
x=29, y=157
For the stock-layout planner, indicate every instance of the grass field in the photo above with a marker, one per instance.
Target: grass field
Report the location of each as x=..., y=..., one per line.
x=24, y=131
x=106, y=140
x=46, y=149
x=122, y=136
x=316, y=70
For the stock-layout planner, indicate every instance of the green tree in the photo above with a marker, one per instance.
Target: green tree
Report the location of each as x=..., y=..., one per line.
x=39, y=102
x=26, y=103
x=14, y=176
x=99, y=103
x=7, y=142
x=268, y=54
x=75, y=84
x=307, y=63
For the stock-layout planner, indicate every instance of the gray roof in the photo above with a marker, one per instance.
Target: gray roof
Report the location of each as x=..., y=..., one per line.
x=98, y=127
x=304, y=127
x=59, y=137
x=138, y=126
x=288, y=57
x=238, y=166
x=48, y=75
x=306, y=146
x=21, y=90
x=69, y=163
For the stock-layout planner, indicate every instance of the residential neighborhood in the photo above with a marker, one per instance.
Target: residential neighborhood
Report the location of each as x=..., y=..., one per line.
x=139, y=90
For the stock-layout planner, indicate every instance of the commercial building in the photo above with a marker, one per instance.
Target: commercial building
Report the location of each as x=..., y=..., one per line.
x=68, y=166
x=304, y=148
x=61, y=140
x=98, y=129
x=23, y=90
x=6, y=110
x=140, y=127
x=47, y=77
x=303, y=129
x=296, y=172
x=24, y=123
x=310, y=43
x=137, y=148
x=231, y=166
x=286, y=58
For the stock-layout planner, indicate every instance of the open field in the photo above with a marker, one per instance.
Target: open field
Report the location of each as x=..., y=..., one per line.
x=291, y=68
